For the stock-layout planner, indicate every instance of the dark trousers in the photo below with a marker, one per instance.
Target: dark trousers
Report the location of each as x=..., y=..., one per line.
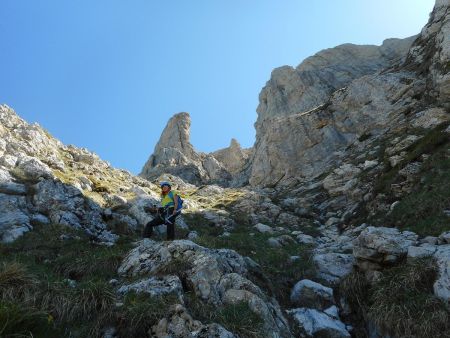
x=166, y=218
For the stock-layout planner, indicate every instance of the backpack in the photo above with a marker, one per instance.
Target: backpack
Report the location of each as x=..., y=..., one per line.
x=180, y=200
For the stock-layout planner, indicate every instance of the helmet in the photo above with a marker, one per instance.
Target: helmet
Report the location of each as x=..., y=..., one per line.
x=163, y=183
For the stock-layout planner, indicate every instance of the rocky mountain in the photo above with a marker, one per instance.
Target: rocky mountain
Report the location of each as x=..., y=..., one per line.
x=335, y=224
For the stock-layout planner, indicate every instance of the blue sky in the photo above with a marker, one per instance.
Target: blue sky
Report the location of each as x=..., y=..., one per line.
x=108, y=74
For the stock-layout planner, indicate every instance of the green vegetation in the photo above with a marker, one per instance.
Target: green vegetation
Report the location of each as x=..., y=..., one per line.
x=401, y=303
x=431, y=142
x=237, y=318
x=36, y=298
x=45, y=251
x=422, y=209
x=140, y=312
x=278, y=272
x=17, y=320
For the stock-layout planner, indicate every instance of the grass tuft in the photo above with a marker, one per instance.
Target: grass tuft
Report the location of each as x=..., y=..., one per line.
x=400, y=304
x=240, y=319
x=403, y=304
x=141, y=312
x=237, y=318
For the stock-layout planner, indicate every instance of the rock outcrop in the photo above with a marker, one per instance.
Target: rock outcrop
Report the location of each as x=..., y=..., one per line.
x=315, y=323
x=43, y=181
x=293, y=90
x=174, y=154
x=430, y=54
x=181, y=324
x=216, y=277
x=308, y=115
x=233, y=158
x=378, y=247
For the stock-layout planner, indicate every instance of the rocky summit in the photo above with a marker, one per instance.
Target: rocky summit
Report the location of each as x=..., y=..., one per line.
x=336, y=223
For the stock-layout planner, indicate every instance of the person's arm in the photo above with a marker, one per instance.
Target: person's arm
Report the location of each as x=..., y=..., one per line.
x=175, y=202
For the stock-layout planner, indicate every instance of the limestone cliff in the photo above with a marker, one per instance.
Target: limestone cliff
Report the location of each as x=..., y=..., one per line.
x=308, y=116
x=293, y=90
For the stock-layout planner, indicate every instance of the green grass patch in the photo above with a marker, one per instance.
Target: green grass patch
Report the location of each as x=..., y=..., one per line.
x=43, y=250
x=35, y=297
x=431, y=142
x=220, y=201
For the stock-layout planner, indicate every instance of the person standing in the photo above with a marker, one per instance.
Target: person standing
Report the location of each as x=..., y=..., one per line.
x=167, y=213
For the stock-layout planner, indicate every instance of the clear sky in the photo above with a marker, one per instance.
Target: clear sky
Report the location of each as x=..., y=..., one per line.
x=108, y=74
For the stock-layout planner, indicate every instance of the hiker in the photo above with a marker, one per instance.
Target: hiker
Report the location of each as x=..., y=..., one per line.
x=171, y=205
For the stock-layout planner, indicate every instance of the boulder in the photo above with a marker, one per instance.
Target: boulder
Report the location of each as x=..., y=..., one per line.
x=442, y=285
x=307, y=293
x=30, y=168
x=444, y=237
x=316, y=323
x=378, y=246
x=156, y=286
x=441, y=255
x=280, y=241
x=263, y=228
x=332, y=267
x=216, y=277
x=14, y=219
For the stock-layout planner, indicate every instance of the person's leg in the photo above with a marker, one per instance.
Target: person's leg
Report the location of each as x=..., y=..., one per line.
x=148, y=229
x=171, y=232
x=170, y=223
